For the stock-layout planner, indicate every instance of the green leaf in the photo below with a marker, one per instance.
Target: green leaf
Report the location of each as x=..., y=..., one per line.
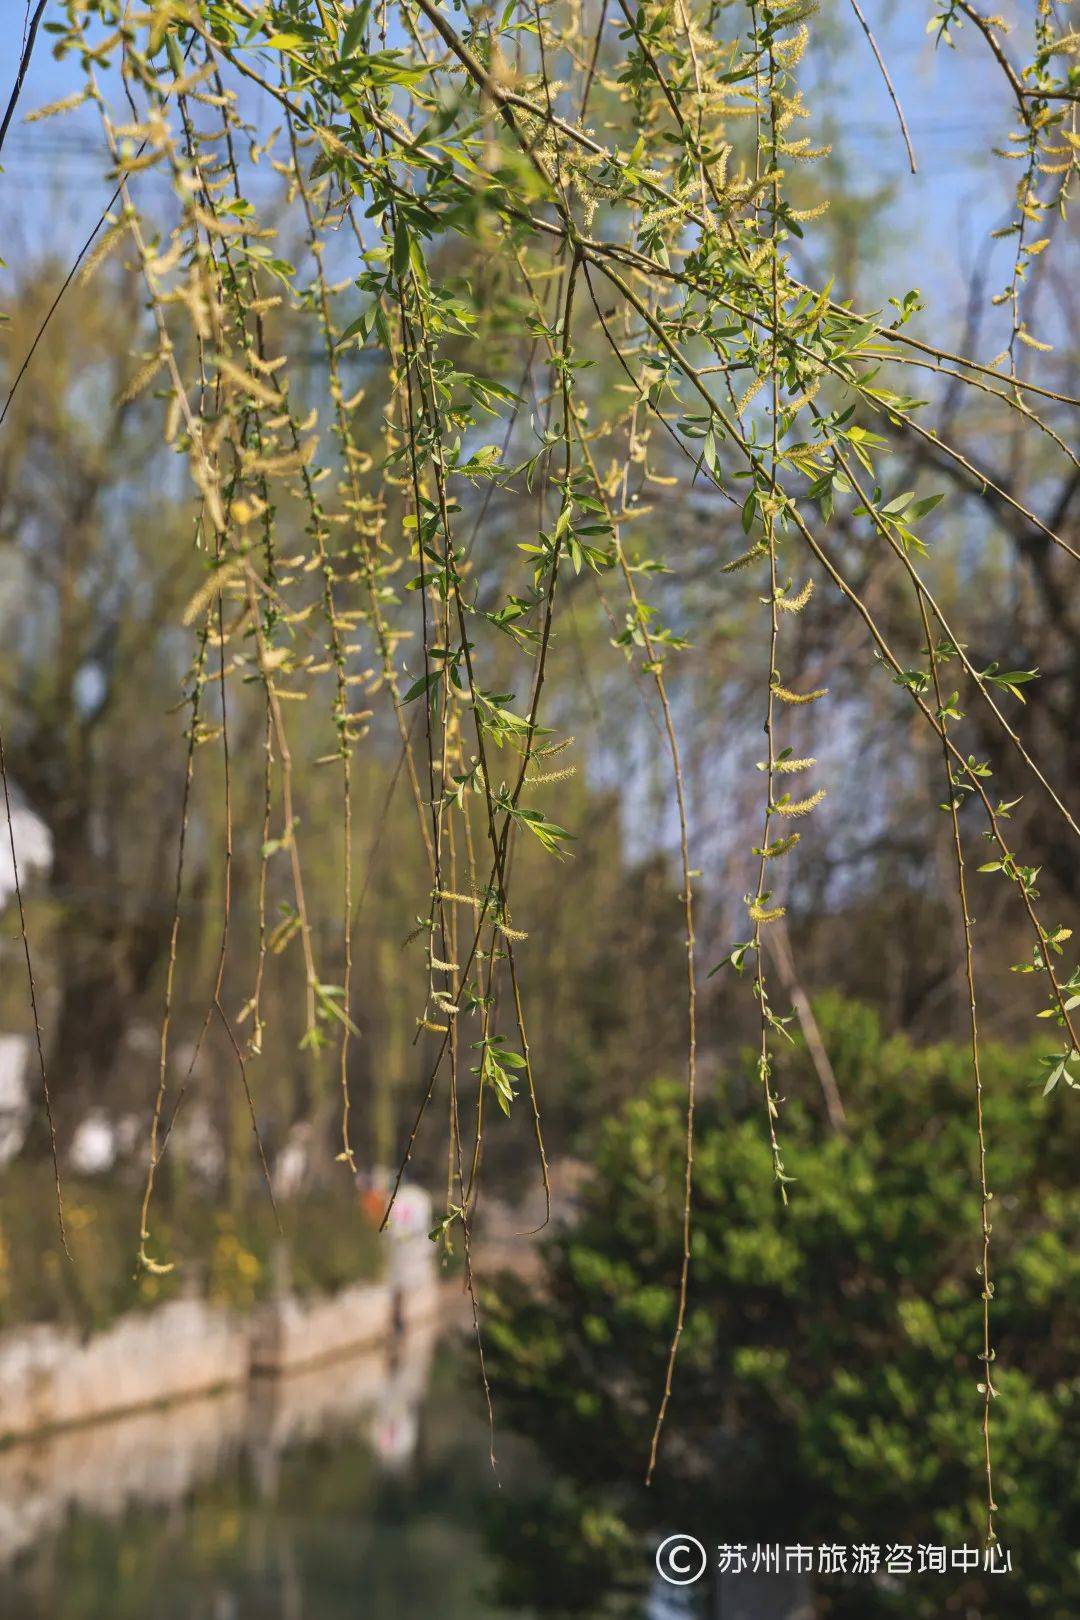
x=401, y=247
x=915, y=513
x=422, y=685
x=354, y=28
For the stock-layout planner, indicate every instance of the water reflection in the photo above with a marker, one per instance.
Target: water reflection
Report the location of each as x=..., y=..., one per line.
x=355, y=1490
x=347, y=1490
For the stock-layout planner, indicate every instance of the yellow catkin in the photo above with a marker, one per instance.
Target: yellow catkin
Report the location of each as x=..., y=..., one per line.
x=801, y=807
x=761, y=914
x=795, y=604
x=786, y=695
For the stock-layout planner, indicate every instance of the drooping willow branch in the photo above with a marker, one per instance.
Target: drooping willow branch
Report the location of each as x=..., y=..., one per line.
x=413, y=169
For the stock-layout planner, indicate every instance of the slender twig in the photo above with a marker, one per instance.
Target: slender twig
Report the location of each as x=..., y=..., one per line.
x=953, y=799
x=893, y=97
x=24, y=63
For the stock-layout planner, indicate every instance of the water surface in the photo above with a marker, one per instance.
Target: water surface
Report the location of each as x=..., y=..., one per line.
x=353, y=1491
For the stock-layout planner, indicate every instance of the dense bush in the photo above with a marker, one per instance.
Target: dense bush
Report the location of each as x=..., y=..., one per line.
x=827, y=1389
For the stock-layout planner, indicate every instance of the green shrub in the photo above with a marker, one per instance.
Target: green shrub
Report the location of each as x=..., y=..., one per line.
x=827, y=1383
